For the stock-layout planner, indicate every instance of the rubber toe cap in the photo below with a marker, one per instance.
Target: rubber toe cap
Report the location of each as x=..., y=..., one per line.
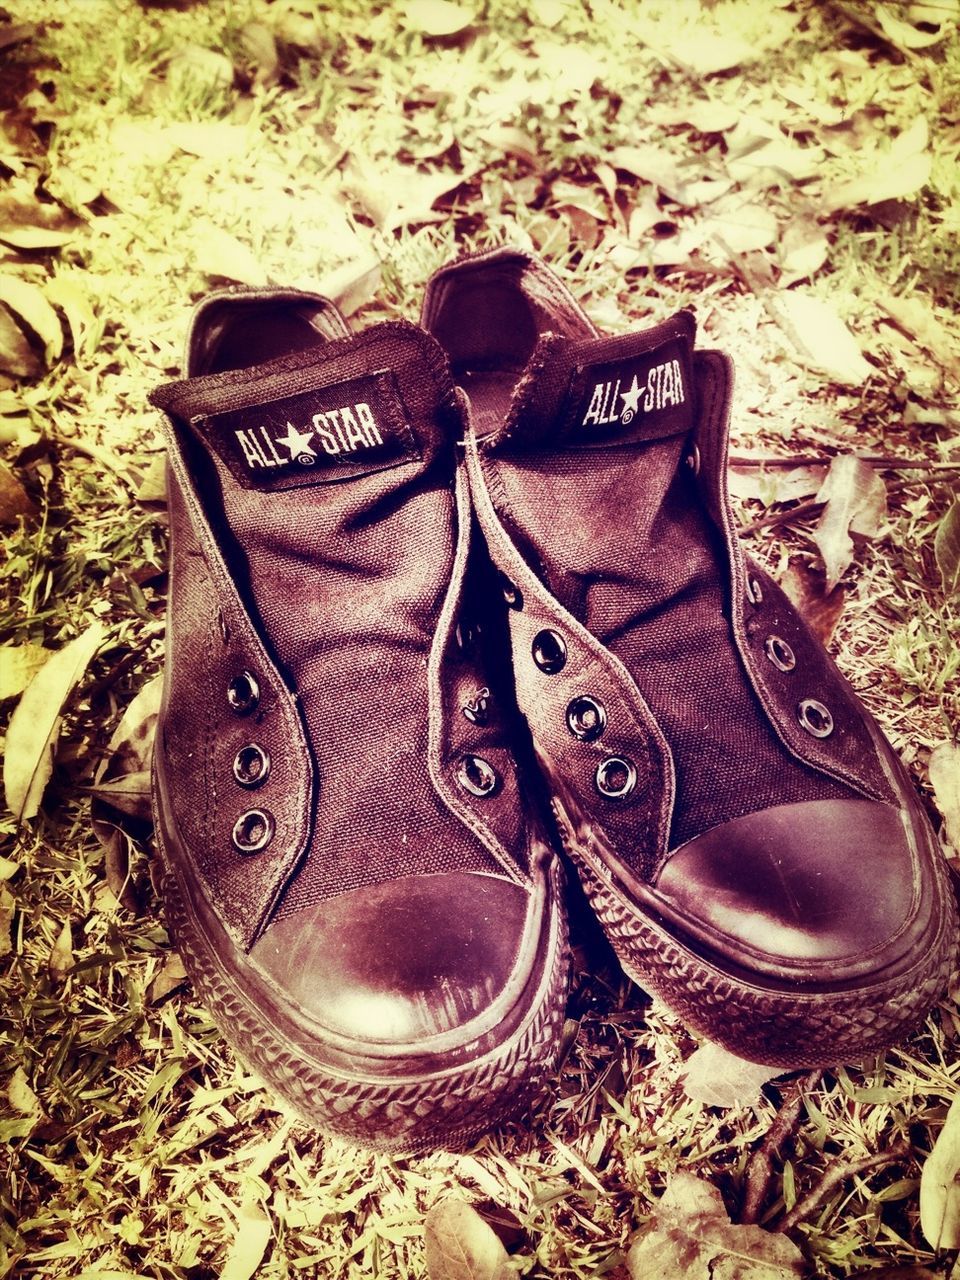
x=398, y=962
x=830, y=886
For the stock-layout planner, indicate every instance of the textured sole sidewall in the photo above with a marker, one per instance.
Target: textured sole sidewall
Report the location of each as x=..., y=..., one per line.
x=444, y=1109
x=780, y=1028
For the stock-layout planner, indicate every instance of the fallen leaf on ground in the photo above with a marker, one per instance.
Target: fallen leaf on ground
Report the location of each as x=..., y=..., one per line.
x=34, y=238
x=17, y=357
x=249, y=1244
x=821, y=337
x=61, y=953
x=21, y=1096
x=775, y=484
x=29, y=302
x=75, y=304
x=168, y=979
x=459, y=1245
x=437, y=17
x=693, y=1237
x=855, y=501
x=210, y=139
x=894, y=174
x=819, y=608
x=14, y=500
x=802, y=251
x=8, y=907
x=742, y=230
x=120, y=810
x=946, y=547
x=915, y=318
x=19, y=663
x=706, y=51
x=718, y=1078
x=940, y=1186
x=219, y=253
x=944, y=772
x=35, y=723
x=905, y=35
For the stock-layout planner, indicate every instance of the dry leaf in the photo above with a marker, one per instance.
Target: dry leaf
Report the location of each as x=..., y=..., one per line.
x=916, y=319
x=718, y=1078
x=8, y=907
x=940, y=1186
x=905, y=36
x=74, y=302
x=19, y=663
x=17, y=357
x=195, y=68
x=946, y=547
x=802, y=251
x=705, y=51
x=29, y=302
x=693, y=1237
x=168, y=979
x=210, y=139
x=944, y=772
x=743, y=230
x=14, y=500
x=34, y=238
x=894, y=174
x=352, y=285
x=819, y=608
x=461, y=1246
x=35, y=724
x=218, y=253
x=775, y=484
x=249, y=1244
x=261, y=48
x=21, y=1096
x=855, y=499
x=821, y=338
x=437, y=17
x=61, y=953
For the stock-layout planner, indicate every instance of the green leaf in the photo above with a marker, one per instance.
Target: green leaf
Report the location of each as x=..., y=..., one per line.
x=946, y=548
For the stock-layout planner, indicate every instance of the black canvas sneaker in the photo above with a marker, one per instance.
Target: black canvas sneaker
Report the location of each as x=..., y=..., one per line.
x=751, y=844
x=359, y=887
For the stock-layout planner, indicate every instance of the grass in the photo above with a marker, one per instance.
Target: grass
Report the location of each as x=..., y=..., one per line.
x=134, y=1143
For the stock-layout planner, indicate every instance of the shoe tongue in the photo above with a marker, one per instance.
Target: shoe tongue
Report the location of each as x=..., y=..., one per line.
x=341, y=410
x=598, y=393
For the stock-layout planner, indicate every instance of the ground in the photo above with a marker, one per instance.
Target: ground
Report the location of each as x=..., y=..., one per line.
x=788, y=170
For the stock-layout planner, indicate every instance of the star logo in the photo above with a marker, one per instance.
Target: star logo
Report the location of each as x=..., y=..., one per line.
x=631, y=401
x=298, y=442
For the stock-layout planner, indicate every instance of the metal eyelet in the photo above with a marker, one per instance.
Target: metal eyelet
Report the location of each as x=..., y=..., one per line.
x=243, y=693
x=251, y=765
x=477, y=711
x=253, y=831
x=511, y=594
x=477, y=776
x=754, y=591
x=693, y=460
x=779, y=653
x=615, y=778
x=815, y=718
x=549, y=652
x=586, y=718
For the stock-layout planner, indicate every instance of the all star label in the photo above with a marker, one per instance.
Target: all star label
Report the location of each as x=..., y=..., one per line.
x=645, y=396
x=332, y=433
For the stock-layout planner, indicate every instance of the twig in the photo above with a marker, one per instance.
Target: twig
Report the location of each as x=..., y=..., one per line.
x=838, y=1174
x=881, y=460
x=760, y=1167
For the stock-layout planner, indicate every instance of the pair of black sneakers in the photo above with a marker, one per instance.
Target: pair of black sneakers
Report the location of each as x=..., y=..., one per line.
x=424, y=579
